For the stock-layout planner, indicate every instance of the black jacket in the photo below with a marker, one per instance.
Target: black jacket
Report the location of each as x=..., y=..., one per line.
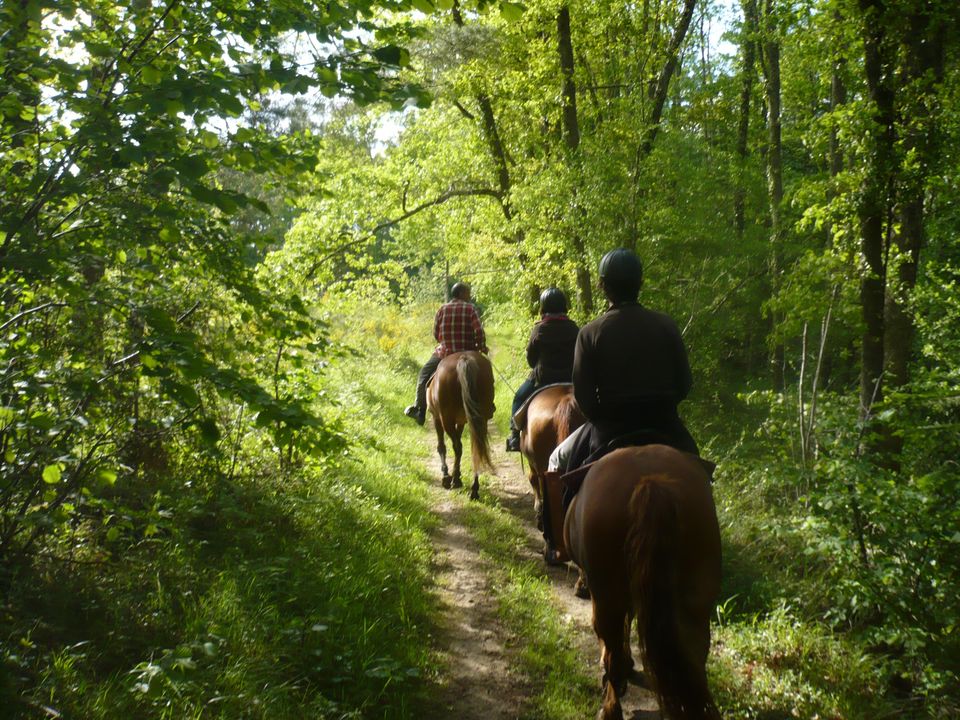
x=628, y=362
x=550, y=350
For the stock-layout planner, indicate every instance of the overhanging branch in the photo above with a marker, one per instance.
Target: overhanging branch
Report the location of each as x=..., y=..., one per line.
x=439, y=200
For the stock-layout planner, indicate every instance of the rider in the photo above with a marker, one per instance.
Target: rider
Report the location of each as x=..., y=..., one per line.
x=630, y=368
x=457, y=328
x=549, y=353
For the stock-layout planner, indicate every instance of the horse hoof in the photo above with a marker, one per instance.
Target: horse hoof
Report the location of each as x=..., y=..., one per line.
x=474, y=495
x=457, y=484
x=446, y=482
x=581, y=590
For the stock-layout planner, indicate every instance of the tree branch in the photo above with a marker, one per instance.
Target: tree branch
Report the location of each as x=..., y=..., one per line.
x=440, y=199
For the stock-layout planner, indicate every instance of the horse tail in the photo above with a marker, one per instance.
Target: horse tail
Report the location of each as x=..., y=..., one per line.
x=567, y=417
x=467, y=374
x=651, y=543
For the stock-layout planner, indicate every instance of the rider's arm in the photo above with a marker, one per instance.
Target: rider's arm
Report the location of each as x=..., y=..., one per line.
x=437, y=323
x=478, y=332
x=533, y=347
x=585, y=379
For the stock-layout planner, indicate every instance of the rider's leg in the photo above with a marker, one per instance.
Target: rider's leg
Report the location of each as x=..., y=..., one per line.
x=418, y=410
x=525, y=390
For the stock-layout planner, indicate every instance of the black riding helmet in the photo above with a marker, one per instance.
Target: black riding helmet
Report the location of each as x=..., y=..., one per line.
x=622, y=274
x=553, y=301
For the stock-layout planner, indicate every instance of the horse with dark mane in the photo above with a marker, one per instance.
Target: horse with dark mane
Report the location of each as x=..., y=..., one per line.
x=461, y=394
x=643, y=529
x=548, y=419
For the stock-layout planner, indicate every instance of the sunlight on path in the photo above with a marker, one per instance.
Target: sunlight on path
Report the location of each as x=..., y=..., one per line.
x=477, y=683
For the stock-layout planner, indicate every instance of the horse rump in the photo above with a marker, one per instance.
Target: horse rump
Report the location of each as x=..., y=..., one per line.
x=674, y=660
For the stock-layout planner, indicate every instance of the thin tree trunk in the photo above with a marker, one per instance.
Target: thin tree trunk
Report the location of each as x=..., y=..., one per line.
x=571, y=137
x=658, y=97
x=774, y=156
x=747, y=74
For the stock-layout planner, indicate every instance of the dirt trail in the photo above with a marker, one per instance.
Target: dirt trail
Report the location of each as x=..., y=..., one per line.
x=480, y=684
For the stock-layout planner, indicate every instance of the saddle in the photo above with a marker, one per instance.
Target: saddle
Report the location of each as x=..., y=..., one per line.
x=520, y=417
x=574, y=479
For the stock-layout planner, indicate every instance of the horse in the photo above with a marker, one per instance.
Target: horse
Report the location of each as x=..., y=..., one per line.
x=643, y=529
x=461, y=394
x=550, y=416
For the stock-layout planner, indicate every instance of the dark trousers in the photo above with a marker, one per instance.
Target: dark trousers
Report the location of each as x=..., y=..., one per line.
x=426, y=373
x=641, y=428
x=526, y=389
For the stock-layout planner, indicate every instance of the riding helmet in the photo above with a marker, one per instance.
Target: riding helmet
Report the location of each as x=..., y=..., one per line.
x=622, y=274
x=459, y=290
x=553, y=301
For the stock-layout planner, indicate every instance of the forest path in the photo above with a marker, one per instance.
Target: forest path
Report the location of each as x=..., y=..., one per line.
x=480, y=683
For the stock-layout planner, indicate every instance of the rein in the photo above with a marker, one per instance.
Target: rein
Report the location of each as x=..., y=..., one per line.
x=502, y=377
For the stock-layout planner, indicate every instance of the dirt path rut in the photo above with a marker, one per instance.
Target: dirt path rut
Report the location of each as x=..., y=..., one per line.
x=481, y=684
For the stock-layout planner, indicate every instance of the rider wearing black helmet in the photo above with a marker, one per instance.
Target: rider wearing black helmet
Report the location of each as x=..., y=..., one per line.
x=549, y=353
x=630, y=368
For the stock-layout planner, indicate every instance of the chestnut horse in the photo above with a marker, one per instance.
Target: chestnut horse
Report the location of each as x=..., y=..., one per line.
x=643, y=529
x=461, y=394
x=548, y=418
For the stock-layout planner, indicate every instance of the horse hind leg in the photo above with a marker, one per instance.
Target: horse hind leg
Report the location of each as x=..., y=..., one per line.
x=609, y=622
x=475, y=488
x=442, y=452
x=456, y=439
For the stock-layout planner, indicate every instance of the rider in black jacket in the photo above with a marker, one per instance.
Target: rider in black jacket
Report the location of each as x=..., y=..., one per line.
x=549, y=353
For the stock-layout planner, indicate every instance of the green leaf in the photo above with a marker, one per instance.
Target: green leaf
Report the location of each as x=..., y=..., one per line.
x=392, y=55
x=150, y=75
x=424, y=6
x=51, y=474
x=512, y=12
x=209, y=431
x=108, y=477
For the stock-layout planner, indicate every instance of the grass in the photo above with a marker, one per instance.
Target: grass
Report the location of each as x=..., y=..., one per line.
x=309, y=593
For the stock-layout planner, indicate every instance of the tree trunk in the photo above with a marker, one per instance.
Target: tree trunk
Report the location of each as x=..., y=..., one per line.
x=923, y=69
x=658, y=97
x=748, y=49
x=774, y=154
x=571, y=138
x=874, y=201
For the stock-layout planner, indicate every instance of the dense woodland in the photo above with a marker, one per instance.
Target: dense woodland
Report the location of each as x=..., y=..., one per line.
x=224, y=228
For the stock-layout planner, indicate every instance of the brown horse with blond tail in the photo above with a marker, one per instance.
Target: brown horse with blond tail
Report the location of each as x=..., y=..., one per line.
x=547, y=419
x=643, y=529
x=461, y=394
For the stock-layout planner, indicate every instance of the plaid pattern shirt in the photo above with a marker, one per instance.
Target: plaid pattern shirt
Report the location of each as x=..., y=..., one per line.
x=457, y=328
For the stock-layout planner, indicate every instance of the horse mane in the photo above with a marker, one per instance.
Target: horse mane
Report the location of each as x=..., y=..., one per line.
x=681, y=690
x=467, y=371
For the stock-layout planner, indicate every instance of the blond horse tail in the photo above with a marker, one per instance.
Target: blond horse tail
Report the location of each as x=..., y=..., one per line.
x=467, y=374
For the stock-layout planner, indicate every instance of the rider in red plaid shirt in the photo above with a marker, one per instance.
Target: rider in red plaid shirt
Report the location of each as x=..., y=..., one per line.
x=457, y=328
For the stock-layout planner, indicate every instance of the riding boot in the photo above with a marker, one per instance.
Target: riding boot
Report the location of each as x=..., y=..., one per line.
x=555, y=552
x=513, y=442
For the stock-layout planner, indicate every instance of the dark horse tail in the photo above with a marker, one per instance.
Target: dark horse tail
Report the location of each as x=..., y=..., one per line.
x=567, y=417
x=680, y=682
x=468, y=375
